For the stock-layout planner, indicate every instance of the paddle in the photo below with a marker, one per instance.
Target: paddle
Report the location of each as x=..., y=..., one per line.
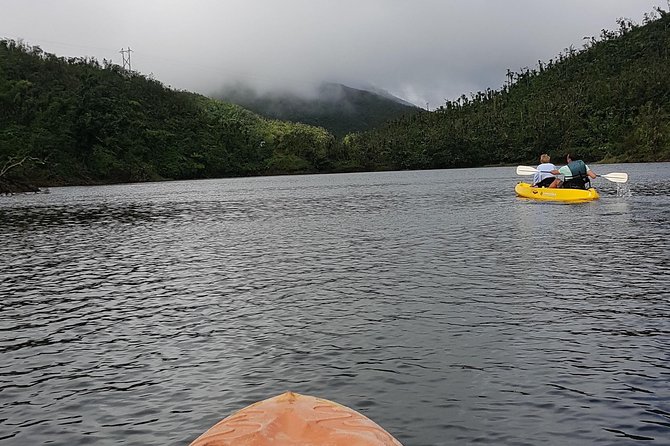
x=526, y=170
x=615, y=177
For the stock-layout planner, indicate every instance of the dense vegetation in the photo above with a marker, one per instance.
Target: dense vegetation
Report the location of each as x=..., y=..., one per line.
x=335, y=107
x=78, y=121
x=610, y=101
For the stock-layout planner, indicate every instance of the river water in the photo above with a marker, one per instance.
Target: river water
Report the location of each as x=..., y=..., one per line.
x=436, y=303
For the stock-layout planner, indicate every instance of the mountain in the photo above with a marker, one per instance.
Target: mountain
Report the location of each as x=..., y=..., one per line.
x=385, y=94
x=609, y=101
x=335, y=107
x=77, y=121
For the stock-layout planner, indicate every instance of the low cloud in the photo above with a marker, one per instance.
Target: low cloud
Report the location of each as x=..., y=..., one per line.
x=424, y=51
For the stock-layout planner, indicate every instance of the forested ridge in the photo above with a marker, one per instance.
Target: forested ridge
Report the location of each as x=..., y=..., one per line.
x=609, y=100
x=79, y=121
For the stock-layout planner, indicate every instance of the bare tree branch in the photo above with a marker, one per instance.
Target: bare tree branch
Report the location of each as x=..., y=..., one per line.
x=13, y=162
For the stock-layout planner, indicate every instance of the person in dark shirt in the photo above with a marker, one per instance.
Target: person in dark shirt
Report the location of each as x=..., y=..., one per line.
x=576, y=174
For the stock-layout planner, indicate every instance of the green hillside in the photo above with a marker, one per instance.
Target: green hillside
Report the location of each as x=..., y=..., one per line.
x=335, y=107
x=609, y=100
x=76, y=121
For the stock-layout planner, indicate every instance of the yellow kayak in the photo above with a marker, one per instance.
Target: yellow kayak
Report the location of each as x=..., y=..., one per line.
x=291, y=419
x=556, y=194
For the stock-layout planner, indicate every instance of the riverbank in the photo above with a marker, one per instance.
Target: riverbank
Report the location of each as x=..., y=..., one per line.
x=10, y=186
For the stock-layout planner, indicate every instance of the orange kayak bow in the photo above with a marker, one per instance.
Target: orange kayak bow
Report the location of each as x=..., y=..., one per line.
x=291, y=419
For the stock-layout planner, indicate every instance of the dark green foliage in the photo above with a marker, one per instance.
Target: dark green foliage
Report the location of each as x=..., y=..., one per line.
x=610, y=101
x=76, y=121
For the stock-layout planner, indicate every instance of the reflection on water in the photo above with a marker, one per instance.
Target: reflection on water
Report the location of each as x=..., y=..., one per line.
x=436, y=303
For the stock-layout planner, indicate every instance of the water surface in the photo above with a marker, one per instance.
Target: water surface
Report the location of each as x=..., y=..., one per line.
x=436, y=303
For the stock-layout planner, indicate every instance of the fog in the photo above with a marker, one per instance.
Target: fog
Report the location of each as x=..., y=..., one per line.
x=424, y=51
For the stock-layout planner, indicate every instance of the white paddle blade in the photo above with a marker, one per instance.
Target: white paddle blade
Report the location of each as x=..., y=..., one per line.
x=526, y=170
x=616, y=177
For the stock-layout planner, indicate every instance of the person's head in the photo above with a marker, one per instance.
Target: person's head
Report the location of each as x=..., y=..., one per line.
x=544, y=158
x=570, y=157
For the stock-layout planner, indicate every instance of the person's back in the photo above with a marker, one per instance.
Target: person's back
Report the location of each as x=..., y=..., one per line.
x=543, y=177
x=577, y=174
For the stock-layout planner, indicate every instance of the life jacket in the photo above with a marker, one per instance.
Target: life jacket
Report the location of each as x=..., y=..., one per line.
x=579, y=178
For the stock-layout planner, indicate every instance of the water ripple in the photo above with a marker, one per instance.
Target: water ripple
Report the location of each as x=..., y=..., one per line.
x=435, y=303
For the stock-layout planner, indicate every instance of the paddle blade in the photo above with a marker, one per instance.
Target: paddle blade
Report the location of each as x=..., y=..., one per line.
x=525, y=170
x=616, y=177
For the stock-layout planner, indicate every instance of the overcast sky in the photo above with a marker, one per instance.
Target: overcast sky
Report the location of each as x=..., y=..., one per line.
x=424, y=51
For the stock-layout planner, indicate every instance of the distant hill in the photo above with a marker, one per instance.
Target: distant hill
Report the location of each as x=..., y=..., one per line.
x=76, y=121
x=335, y=107
x=609, y=101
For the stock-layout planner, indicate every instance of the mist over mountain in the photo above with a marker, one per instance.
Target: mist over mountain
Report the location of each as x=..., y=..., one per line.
x=335, y=107
x=78, y=121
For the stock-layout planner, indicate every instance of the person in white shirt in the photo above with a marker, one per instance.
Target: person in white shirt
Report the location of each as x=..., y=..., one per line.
x=544, y=176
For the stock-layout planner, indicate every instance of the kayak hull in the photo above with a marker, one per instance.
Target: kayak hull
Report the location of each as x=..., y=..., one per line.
x=525, y=190
x=291, y=419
